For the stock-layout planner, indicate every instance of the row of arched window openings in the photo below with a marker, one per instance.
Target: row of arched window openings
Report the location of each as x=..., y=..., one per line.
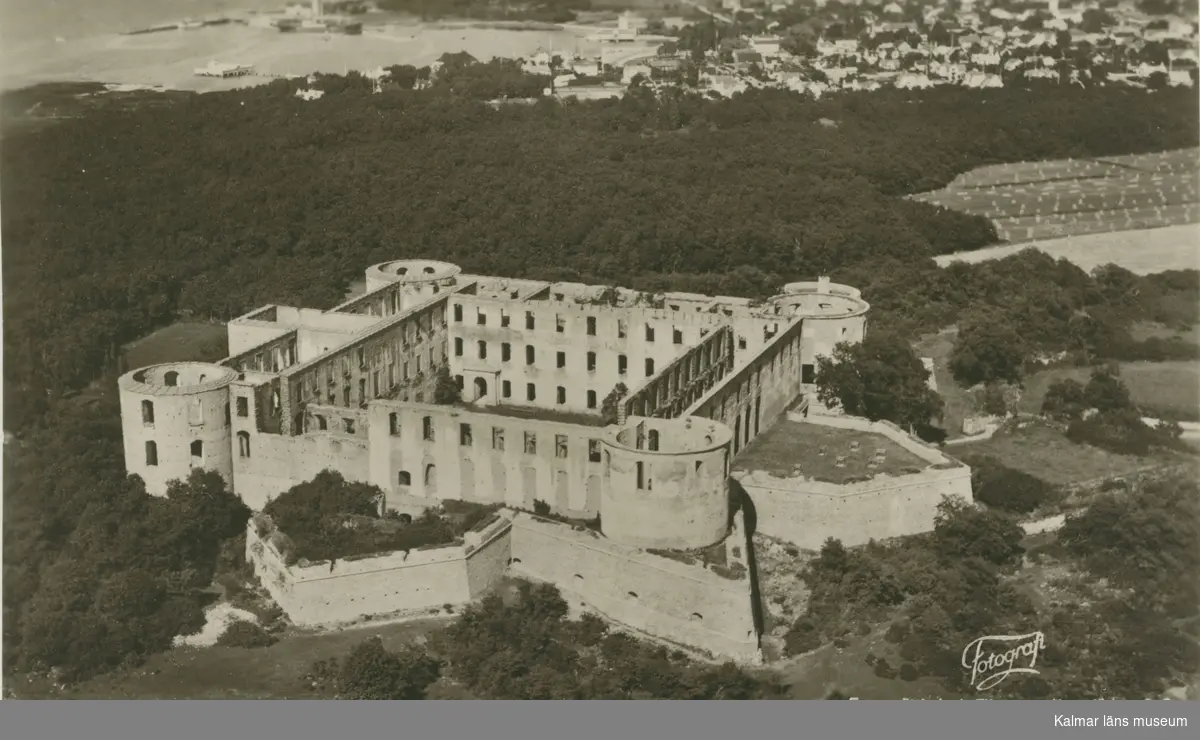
x=196, y=448
x=195, y=412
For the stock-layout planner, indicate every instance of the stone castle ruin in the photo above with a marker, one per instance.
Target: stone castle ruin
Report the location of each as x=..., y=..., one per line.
x=601, y=403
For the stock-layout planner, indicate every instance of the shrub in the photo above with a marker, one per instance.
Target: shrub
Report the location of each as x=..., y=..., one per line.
x=803, y=637
x=1122, y=432
x=243, y=634
x=883, y=669
x=987, y=352
x=897, y=632
x=1004, y=488
x=908, y=672
x=1065, y=400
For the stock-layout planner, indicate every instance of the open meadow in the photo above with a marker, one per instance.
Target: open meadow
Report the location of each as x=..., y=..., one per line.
x=1143, y=252
x=183, y=341
x=217, y=672
x=1041, y=200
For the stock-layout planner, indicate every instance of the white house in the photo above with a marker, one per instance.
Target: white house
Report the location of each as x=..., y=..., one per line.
x=910, y=81
x=768, y=46
x=633, y=70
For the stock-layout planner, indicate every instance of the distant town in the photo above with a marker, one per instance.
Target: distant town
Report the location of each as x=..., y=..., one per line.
x=748, y=44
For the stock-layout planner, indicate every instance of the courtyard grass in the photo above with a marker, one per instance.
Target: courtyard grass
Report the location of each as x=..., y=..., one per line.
x=794, y=448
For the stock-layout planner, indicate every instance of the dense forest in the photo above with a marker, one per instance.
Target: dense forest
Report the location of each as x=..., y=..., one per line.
x=521, y=645
x=1121, y=617
x=130, y=217
x=120, y=221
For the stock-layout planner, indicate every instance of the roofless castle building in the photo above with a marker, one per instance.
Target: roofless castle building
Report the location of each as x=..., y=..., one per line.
x=596, y=401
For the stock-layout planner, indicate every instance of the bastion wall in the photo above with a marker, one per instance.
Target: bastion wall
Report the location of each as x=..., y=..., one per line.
x=397, y=583
x=687, y=605
x=806, y=512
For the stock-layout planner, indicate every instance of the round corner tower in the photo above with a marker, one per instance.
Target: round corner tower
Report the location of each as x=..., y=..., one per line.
x=665, y=483
x=175, y=417
x=832, y=314
x=418, y=280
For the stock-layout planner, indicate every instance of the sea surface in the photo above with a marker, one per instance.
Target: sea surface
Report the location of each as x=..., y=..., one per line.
x=25, y=23
x=79, y=40
x=42, y=30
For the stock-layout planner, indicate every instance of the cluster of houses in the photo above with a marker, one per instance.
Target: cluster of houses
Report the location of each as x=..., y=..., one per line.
x=980, y=45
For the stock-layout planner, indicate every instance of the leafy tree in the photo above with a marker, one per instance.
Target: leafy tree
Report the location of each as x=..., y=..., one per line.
x=1095, y=20
x=446, y=390
x=963, y=531
x=1065, y=400
x=608, y=409
x=1146, y=541
x=1159, y=7
x=986, y=352
x=1105, y=391
x=247, y=635
x=371, y=672
x=880, y=378
x=1006, y=488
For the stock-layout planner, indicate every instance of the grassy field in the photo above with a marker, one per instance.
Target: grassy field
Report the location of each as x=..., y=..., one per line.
x=793, y=448
x=274, y=672
x=1047, y=454
x=183, y=341
x=958, y=405
x=1044, y=200
x=1171, y=387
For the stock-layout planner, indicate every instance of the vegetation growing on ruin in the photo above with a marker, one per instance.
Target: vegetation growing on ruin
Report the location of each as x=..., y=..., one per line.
x=937, y=593
x=542, y=510
x=522, y=646
x=755, y=193
x=329, y=518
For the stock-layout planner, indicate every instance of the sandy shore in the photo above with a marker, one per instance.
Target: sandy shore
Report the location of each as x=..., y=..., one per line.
x=167, y=59
x=1143, y=251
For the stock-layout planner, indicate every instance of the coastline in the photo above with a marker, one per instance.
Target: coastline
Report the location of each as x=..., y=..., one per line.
x=166, y=60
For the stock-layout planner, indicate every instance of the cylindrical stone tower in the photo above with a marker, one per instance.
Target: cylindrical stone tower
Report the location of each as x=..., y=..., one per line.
x=175, y=417
x=665, y=483
x=832, y=314
x=418, y=280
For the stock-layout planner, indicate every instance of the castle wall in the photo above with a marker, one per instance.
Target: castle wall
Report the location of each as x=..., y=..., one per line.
x=687, y=605
x=344, y=590
x=665, y=483
x=169, y=429
x=751, y=398
x=805, y=512
x=398, y=360
x=685, y=380
x=277, y=462
x=619, y=332
x=246, y=335
x=271, y=356
x=562, y=467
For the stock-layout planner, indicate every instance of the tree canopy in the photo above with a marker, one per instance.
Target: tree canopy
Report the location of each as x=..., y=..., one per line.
x=879, y=378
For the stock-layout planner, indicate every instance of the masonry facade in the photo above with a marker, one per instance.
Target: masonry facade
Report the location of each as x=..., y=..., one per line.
x=595, y=401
